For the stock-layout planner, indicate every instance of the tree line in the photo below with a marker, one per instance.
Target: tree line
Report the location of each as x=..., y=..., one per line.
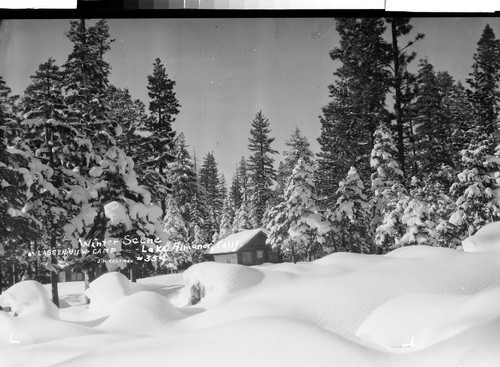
x=81, y=159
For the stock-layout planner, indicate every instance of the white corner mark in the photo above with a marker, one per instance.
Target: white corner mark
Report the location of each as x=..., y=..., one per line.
x=12, y=341
x=411, y=345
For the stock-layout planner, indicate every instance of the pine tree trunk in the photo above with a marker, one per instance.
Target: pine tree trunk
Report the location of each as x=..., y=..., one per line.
x=399, y=96
x=54, y=277
x=1, y=278
x=55, y=291
x=133, y=273
x=13, y=273
x=294, y=259
x=36, y=261
x=87, y=284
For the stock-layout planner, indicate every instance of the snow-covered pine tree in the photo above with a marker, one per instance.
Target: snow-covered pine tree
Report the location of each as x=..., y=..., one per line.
x=164, y=107
x=244, y=179
x=202, y=222
x=298, y=147
x=242, y=218
x=351, y=215
x=484, y=82
x=297, y=227
x=401, y=81
x=112, y=202
x=56, y=143
x=357, y=103
x=388, y=190
x=458, y=115
x=179, y=254
x=222, y=186
x=17, y=171
x=432, y=127
x=132, y=117
x=210, y=181
x=260, y=167
x=184, y=181
x=426, y=215
x=235, y=191
x=228, y=216
x=477, y=187
x=418, y=227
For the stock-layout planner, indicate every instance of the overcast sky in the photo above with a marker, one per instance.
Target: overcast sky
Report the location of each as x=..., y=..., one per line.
x=227, y=70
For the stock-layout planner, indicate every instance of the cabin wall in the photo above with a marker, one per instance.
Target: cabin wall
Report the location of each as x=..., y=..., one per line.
x=255, y=252
x=226, y=258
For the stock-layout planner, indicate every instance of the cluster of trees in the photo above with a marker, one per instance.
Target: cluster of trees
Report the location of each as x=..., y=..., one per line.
x=81, y=162
x=80, y=159
x=424, y=171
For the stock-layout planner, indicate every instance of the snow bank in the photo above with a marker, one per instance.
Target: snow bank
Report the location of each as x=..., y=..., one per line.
x=215, y=282
x=55, y=351
x=341, y=302
x=350, y=261
x=478, y=309
x=487, y=239
x=16, y=332
x=250, y=342
x=420, y=251
x=150, y=313
x=399, y=323
x=416, y=306
x=29, y=298
x=108, y=289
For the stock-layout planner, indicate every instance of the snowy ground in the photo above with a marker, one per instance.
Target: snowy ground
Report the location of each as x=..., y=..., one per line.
x=417, y=306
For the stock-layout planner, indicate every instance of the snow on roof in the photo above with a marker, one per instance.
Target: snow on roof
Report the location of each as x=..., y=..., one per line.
x=236, y=241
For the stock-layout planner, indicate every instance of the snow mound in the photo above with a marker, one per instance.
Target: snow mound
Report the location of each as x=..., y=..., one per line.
x=29, y=298
x=421, y=251
x=250, y=342
x=487, y=239
x=108, y=289
x=417, y=321
x=18, y=332
x=399, y=323
x=150, y=312
x=215, y=282
x=350, y=261
x=341, y=302
x=303, y=268
x=478, y=309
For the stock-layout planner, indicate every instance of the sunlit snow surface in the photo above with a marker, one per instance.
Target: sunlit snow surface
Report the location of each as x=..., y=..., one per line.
x=416, y=306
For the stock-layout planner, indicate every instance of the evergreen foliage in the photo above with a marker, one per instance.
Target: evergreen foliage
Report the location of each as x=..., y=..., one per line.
x=298, y=228
x=210, y=180
x=401, y=81
x=351, y=216
x=298, y=147
x=484, y=82
x=387, y=188
x=18, y=169
x=260, y=167
x=357, y=103
x=163, y=107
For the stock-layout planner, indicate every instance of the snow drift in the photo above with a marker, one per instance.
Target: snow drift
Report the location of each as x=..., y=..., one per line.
x=416, y=306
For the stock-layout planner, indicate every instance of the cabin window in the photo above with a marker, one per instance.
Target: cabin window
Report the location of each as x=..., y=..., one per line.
x=260, y=255
x=246, y=257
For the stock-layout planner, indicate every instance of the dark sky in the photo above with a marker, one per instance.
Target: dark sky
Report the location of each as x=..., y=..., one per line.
x=227, y=70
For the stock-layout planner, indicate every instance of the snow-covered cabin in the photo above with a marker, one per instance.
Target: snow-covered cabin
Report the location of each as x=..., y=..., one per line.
x=247, y=247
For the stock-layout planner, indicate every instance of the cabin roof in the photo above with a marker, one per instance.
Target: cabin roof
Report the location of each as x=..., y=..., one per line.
x=233, y=243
